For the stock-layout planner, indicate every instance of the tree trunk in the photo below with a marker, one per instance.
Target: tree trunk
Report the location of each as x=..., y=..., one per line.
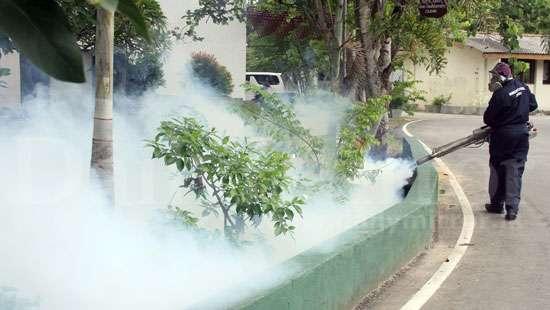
x=102, y=143
x=375, y=46
x=336, y=63
x=329, y=30
x=379, y=53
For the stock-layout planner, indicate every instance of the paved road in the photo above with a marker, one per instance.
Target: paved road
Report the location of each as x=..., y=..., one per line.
x=508, y=266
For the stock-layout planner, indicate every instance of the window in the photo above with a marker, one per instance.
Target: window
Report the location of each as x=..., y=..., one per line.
x=267, y=80
x=527, y=77
x=546, y=72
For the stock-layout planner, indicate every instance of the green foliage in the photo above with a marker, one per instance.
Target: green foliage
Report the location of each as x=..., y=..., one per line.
x=404, y=95
x=134, y=78
x=236, y=179
x=185, y=217
x=441, y=100
x=275, y=118
x=220, y=13
x=137, y=65
x=519, y=68
x=210, y=72
x=356, y=136
x=422, y=40
x=128, y=38
x=511, y=19
x=519, y=17
x=40, y=31
x=298, y=60
x=412, y=37
x=294, y=49
x=130, y=10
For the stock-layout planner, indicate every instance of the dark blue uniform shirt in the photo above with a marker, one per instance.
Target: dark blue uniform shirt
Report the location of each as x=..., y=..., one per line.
x=510, y=105
x=508, y=114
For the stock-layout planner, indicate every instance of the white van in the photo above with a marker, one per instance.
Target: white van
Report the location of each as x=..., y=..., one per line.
x=270, y=81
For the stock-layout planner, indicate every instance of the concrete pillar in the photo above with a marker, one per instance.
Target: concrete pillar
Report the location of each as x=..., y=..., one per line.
x=539, y=76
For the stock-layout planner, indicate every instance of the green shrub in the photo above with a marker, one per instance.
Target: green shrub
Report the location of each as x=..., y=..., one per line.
x=210, y=72
x=356, y=137
x=404, y=96
x=231, y=178
x=441, y=100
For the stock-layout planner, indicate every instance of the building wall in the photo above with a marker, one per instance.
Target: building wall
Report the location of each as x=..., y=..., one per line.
x=11, y=96
x=227, y=43
x=465, y=77
x=542, y=91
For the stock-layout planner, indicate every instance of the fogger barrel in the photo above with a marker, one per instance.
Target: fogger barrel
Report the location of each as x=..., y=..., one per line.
x=477, y=138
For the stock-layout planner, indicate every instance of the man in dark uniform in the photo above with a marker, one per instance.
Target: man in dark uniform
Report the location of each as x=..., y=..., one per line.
x=507, y=115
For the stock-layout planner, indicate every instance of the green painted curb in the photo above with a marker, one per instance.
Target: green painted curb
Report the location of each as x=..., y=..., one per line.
x=362, y=257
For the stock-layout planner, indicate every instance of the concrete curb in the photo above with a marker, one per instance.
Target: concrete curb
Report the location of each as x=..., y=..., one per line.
x=362, y=257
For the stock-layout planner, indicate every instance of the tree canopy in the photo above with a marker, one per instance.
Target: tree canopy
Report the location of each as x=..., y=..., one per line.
x=364, y=41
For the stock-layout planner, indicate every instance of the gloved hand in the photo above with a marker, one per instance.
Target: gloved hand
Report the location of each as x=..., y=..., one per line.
x=495, y=84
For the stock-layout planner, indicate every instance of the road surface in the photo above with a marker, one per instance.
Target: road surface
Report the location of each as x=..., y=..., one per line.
x=508, y=265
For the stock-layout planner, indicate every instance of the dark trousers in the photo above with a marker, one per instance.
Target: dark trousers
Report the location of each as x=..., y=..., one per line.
x=505, y=184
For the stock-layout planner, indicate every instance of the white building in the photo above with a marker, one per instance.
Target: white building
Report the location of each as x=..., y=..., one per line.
x=467, y=72
x=227, y=43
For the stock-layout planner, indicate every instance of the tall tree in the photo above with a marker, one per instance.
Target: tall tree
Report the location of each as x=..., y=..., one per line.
x=40, y=31
x=102, y=141
x=374, y=35
x=137, y=62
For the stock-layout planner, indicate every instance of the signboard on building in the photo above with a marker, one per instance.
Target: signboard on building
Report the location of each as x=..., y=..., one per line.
x=433, y=8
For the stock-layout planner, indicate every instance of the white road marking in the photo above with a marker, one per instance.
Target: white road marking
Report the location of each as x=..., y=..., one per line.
x=419, y=299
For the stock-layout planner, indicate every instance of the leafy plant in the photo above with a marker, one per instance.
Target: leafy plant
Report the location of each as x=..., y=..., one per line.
x=441, y=100
x=243, y=183
x=273, y=117
x=357, y=136
x=186, y=217
x=209, y=71
x=135, y=77
x=404, y=95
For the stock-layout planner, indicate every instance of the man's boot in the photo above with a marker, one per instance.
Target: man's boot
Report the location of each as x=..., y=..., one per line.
x=493, y=208
x=511, y=213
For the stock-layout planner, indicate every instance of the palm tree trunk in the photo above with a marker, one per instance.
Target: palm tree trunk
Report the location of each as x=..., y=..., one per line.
x=102, y=143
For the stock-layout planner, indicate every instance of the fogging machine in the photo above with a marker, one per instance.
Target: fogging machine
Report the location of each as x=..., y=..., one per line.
x=476, y=139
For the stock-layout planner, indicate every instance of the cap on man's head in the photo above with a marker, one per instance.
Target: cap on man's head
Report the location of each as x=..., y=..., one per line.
x=503, y=69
